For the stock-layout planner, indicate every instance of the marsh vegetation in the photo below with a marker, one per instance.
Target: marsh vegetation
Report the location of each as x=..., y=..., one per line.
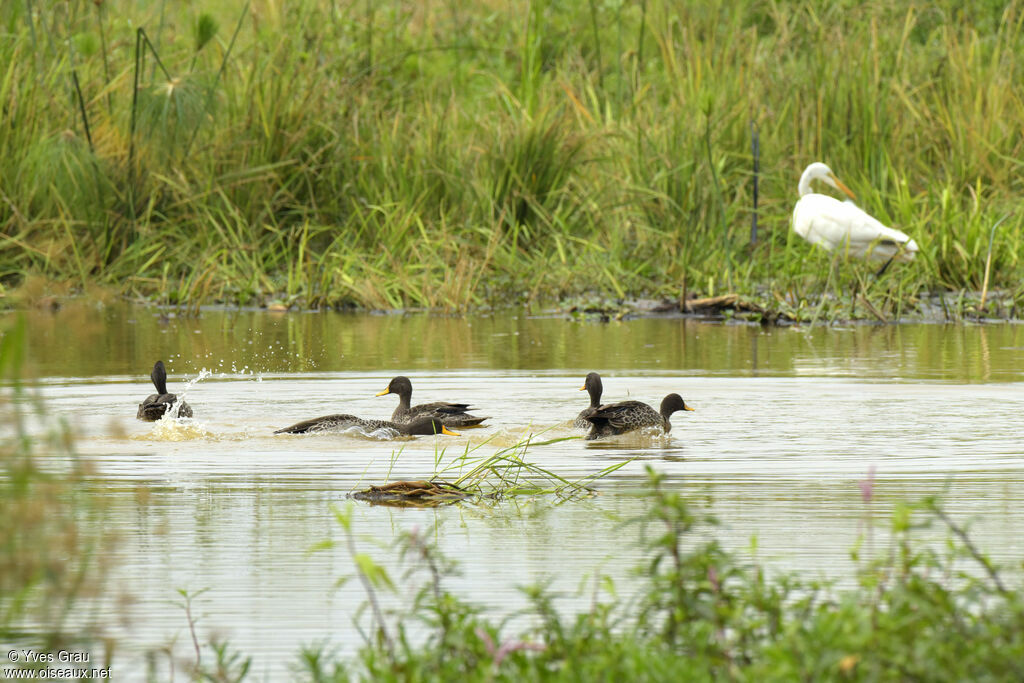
x=459, y=155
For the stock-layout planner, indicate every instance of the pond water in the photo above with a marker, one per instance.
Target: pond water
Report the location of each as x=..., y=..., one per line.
x=787, y=422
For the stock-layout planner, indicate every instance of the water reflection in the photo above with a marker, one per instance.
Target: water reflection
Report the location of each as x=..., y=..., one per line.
x=124, y=341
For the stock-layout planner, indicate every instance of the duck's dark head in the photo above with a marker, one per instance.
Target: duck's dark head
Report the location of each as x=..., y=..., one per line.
x=593, y=386
x=672, y=403
x=399, y=385
x=159, y=377
x=428, y=425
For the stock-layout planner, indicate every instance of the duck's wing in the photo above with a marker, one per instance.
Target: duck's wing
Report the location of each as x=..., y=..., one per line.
x=463, y=420
x=625, y=415
x=439, y=408
x=151, y=409
x=451, y=414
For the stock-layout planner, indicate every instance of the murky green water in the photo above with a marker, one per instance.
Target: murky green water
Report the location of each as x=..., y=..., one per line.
x=786, y=423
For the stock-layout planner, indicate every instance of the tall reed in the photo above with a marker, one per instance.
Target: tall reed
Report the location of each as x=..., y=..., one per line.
x=422, y=154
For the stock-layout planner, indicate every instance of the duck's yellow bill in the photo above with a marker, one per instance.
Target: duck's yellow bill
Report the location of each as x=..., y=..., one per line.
x=583, y=388
x=445, y=430
x=686, y=407
x=843, y=187
x=381, y=393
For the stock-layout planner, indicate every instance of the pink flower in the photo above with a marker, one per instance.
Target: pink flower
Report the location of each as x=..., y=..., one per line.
x=501, y=652
x=867, y=486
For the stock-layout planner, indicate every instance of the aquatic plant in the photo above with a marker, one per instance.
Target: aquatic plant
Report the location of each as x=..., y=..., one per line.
x=470, y=475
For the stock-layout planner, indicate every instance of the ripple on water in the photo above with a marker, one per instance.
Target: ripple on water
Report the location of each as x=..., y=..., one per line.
x=355, y=431
x=648, y=437
x=788, y=424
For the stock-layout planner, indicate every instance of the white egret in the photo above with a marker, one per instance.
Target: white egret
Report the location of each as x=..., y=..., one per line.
x=833, y=224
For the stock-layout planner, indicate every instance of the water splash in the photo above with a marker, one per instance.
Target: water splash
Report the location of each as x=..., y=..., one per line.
x=170, y=427
x=177, y=429
x=359, y=432
x=638, y=439
x=173, y=414
x=382, y=434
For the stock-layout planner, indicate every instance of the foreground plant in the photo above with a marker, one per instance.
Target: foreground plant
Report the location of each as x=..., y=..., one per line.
x=701, y=614
x=52, y=539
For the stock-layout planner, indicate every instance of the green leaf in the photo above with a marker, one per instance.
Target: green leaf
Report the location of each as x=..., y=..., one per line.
x=374, y=573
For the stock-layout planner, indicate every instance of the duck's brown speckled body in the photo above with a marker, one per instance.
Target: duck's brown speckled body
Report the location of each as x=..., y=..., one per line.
x=627, y=416
x=454, y=415
x=341, y=422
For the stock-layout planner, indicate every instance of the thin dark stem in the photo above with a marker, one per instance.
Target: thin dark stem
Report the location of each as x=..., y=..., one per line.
x=718, y=196
x=156, y=55
x=597, y=47
x=640, y=39
x=971, y=548
x=220, y=74
x=369, y=35
x=881, y=271
x=131, y=126
x=371, y=596
x=755, y=148
x=159, y=32
x=192, y=630
x=106, y=57
x=31, y=24
x=81, y=108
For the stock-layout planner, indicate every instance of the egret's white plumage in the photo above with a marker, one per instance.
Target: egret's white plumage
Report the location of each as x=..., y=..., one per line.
x=833, y=224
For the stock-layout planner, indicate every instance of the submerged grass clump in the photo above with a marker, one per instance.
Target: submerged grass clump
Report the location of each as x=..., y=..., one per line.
x=470, y=476
x=418, y=154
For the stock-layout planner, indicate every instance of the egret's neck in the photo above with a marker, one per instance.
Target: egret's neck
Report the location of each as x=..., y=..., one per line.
x=805, y=183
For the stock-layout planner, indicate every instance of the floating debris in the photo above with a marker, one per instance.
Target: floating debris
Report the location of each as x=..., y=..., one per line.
x=720, y=307
x=416, y=493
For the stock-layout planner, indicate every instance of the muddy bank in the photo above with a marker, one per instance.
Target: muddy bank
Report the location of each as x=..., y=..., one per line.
x=779, y=310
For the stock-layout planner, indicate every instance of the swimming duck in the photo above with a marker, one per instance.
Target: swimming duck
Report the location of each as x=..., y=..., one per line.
x=619, y=418
x=337, y=423
x=592, y=386
x=155, y=405
x=451, y=414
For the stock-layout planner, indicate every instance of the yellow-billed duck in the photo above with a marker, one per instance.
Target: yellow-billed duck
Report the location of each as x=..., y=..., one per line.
x=155, y=405
x=451, y=414
x=619, y=418
x=338, y=423
x=592, y=385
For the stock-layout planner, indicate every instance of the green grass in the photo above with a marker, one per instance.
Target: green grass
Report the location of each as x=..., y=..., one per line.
x=458, y=155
